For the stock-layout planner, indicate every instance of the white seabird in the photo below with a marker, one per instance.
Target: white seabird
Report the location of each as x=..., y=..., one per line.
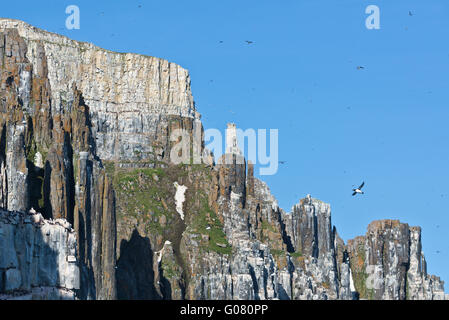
x=358, y=190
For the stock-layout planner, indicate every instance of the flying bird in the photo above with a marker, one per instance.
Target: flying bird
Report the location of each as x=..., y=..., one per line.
x=410, y=13
x=360, y=67
x=249, y=42
x=359, y=189
x=282, y=162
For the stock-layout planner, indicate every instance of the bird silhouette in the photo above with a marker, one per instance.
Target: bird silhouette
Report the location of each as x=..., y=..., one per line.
x=360, y=67
x=249, y=42
x=359, y=189
x=410, y=13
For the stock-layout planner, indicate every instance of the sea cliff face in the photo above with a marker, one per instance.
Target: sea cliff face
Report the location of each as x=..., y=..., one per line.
x=85, y=141
x=37, y=257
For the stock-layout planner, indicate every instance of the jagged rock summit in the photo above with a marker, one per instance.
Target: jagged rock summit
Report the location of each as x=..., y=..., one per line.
x=85, y=144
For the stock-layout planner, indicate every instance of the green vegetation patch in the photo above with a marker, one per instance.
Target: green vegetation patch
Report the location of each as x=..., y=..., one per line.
x=267, y=226
x=141, y=194
x=360, y=276
x=171, y=269
x=296, y=254
x=32, y=148
x=206, y=222
x=277, y=253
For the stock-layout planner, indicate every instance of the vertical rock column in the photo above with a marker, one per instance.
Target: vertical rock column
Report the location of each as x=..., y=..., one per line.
x=3, y=176
x=421, y=286
x=95, y=225
x=388, y=264
x=250, y=179
x=310, y=230
x=82, y=226
x=16, y=169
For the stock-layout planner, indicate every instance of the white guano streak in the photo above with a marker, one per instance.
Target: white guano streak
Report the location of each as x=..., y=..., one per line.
x=180, y=198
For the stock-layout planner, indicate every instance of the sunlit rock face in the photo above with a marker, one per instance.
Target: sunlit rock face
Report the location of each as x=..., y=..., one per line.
x=387, y=263
x=132, y=98
x=85, y=139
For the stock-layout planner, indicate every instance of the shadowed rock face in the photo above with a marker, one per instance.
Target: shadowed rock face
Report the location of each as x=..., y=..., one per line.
x=37, y=257
x=135, y=275
x=85, y=137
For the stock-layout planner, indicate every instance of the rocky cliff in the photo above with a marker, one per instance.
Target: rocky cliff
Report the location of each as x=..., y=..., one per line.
x=37, y=257
x=85, y=141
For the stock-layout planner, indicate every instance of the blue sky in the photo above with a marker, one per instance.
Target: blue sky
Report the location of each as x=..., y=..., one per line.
x=385, y=124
